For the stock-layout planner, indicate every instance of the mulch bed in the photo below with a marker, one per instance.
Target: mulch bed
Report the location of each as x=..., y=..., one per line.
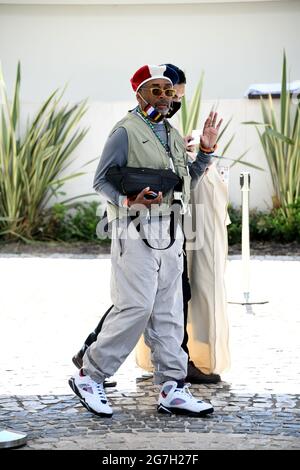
x=89, y=248
x=268, y=248
x=44, y=248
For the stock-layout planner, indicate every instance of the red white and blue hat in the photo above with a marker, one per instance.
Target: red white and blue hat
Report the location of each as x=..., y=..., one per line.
x=150, y=72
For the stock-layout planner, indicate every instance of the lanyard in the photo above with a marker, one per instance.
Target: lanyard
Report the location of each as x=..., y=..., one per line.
x=149, y=124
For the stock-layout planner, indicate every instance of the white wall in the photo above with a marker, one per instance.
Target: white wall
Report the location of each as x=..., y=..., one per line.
x=121, y=2
x=96, y=48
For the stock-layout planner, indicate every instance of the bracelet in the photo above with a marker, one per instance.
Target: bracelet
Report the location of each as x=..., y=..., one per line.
x=206, y=150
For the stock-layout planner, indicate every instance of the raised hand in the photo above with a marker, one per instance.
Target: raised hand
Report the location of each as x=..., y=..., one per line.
x=210, y=132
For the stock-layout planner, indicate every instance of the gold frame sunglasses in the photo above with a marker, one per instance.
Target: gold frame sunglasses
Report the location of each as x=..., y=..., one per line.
x=156, y=91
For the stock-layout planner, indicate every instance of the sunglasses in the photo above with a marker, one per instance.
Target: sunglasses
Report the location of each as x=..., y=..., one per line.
x=169, y=92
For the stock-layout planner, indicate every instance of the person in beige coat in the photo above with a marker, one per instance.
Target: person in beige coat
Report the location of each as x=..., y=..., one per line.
x=207, y=318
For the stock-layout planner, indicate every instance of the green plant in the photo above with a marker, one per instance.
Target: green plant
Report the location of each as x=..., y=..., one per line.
x=74, y=223
x=189, y=116
x=32, y=163
x=273, y=226
x=280, y=141
x=234, y=229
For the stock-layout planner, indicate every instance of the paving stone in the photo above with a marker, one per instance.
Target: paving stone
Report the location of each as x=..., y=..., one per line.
x=255, y=407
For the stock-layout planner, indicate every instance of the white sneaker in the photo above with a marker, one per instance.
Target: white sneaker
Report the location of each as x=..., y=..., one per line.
x=91, y=394
x=181, y=401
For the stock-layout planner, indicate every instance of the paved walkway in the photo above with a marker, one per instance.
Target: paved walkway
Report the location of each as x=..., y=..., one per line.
x=49, y=305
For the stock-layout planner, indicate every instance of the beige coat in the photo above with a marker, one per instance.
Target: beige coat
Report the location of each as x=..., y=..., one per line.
x=207, y=321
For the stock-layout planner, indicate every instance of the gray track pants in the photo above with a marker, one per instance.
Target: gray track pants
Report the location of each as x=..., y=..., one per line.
x=146, y=290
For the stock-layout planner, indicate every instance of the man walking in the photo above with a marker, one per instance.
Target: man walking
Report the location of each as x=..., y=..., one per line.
x=145, y=283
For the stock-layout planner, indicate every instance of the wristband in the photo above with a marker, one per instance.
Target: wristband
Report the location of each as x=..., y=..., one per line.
x=208, y=150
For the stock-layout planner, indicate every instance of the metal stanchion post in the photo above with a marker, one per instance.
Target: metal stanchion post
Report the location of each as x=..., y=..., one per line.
x=245, y=190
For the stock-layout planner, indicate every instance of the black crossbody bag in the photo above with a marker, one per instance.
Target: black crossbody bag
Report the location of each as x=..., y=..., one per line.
x=130, y=181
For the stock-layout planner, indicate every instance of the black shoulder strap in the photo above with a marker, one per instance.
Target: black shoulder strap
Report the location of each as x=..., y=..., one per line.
x=174, y=217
